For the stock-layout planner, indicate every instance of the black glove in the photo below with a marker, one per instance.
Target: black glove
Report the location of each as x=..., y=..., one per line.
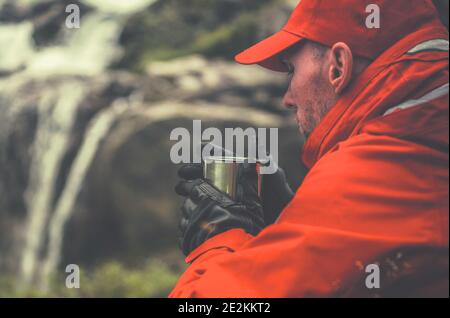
x=275, y=194
x=207, y=211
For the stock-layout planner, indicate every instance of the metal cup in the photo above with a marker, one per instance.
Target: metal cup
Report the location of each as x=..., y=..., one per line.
x=225, y=172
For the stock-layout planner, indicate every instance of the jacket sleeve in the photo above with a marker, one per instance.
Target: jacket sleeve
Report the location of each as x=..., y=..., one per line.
x=359, y=201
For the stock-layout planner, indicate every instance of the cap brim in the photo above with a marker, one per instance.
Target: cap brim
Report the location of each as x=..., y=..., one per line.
x=265, y=53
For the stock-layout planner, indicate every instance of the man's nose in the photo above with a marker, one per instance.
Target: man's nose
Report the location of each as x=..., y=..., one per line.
x=288, y=100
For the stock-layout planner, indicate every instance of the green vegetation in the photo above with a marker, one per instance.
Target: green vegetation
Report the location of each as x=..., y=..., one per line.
x=154, y=279
x=213, y=28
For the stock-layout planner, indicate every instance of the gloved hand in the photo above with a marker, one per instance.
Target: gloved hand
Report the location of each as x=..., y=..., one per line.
x=207, y=211
x=275, y=194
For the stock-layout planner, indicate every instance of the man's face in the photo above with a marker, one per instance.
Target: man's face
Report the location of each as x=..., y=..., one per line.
x=309, y=93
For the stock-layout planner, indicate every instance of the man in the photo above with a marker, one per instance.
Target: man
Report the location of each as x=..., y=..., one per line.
x=373, y=104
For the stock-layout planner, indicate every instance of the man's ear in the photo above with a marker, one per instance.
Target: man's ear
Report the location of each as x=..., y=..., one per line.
x=341, y=66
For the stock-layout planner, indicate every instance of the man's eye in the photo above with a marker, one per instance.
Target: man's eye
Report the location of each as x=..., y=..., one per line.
x=290, y=72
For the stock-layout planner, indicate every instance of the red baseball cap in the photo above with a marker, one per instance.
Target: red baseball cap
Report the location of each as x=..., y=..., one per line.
x=331, y=21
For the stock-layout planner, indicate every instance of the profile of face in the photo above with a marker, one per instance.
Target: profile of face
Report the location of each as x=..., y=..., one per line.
x=318, y=76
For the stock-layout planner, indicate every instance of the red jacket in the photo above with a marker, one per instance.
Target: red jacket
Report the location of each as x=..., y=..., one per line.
x=378, y=181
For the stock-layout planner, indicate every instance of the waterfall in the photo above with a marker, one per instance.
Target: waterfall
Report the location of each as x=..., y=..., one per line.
x=95, y=133
x=86, y=52
x=119, y=7
x=49, y=83
x=17, y=45
x=56, y=117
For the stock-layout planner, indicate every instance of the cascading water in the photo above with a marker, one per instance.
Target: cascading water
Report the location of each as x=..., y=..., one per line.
x=55, y=123
x=83, y=53
x=98, y=129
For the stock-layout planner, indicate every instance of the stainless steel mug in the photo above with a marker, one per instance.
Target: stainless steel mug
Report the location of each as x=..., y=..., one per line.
x=225, y=172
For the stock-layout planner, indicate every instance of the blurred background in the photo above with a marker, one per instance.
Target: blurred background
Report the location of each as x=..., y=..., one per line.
x=85, y=119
